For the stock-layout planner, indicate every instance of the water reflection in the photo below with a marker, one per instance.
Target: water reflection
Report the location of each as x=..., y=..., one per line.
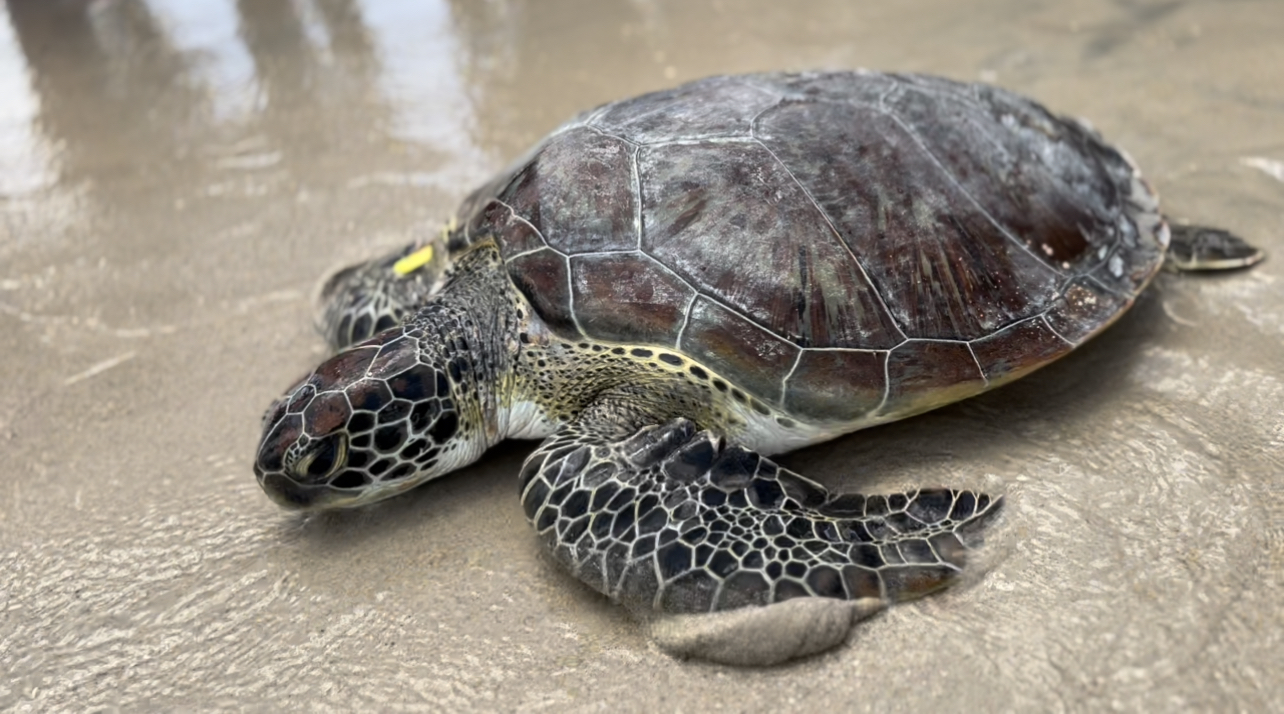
x=421, y=55
x=289, y=60
x=111, y=90
x=205, y=33
x=132, y=89
x=25, y=156
x=129, y=89
x=525, y=73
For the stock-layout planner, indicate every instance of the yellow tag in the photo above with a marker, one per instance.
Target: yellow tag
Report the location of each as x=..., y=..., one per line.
x=414, y=261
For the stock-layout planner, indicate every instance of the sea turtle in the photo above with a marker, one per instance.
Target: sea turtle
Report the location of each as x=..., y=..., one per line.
x=671, y=288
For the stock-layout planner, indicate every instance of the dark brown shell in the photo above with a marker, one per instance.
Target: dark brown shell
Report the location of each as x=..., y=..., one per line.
x=844, y=246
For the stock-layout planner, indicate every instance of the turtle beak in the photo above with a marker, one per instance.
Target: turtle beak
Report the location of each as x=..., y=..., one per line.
x=290, y=494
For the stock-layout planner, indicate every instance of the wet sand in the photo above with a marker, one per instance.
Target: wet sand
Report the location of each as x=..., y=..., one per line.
x=175, y=175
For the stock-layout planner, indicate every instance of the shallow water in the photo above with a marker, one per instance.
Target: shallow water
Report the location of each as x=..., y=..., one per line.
x=175, y=175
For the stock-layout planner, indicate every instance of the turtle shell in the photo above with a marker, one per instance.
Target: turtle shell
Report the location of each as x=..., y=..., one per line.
x=845, y=246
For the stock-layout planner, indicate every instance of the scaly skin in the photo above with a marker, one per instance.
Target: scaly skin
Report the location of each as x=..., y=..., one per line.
x=403, y=407
x=643, y=487
x=674, y=518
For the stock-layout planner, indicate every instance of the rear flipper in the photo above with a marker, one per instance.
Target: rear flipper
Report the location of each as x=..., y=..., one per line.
x=1199, y=248
x=671, y=520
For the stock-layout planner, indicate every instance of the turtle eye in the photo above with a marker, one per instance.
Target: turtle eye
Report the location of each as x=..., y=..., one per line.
x=324, y=459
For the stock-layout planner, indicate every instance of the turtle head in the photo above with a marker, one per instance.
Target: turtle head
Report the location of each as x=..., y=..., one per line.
x=371, y=422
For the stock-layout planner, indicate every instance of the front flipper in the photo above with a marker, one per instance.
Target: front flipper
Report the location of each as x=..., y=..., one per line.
x=673, y=520
x=359, y=301
x=1199, y=248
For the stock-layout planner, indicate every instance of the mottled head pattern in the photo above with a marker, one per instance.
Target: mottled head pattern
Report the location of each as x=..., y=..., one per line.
x=369, y=422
